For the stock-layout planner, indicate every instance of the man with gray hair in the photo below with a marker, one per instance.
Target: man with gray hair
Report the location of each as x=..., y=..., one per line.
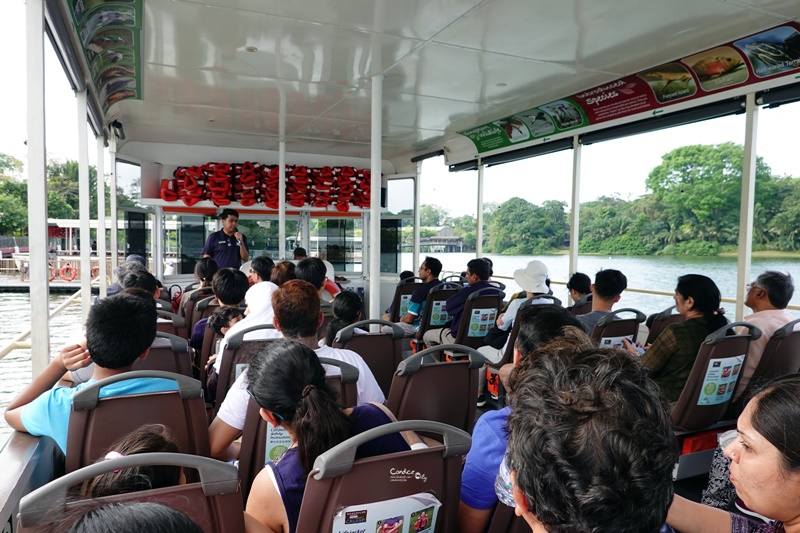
x=133, y=263
x=768, y=296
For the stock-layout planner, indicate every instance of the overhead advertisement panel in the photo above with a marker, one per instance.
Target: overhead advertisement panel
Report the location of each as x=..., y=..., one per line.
x=771, y=53
x=109, y=34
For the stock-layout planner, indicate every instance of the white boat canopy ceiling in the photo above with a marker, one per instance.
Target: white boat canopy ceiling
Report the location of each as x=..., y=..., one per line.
x=221, y=72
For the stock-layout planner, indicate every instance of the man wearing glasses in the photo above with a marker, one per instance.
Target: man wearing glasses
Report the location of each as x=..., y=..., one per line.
x=428, y=272
x=768, y=297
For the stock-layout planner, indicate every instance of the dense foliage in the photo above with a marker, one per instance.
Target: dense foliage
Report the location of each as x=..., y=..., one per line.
x=62, y=194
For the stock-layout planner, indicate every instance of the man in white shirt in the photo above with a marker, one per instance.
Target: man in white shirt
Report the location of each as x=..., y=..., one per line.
x=768, y=296
x=297, y=315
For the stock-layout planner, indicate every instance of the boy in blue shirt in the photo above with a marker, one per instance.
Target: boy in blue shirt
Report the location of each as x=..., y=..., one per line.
x=119, y=330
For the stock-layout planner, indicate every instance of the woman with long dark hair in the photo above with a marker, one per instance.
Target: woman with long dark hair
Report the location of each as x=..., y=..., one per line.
x=347, y=307
x=671, y=356
x=288, y=383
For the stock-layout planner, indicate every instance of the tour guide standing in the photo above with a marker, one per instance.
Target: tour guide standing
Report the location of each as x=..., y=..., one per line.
x=227, y=246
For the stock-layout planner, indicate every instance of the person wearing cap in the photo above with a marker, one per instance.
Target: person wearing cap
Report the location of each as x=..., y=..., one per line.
x=228, y=247
x=533, y=281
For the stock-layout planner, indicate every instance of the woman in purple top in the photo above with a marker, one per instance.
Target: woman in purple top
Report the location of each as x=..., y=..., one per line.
x=288, y=383
x=765, y=467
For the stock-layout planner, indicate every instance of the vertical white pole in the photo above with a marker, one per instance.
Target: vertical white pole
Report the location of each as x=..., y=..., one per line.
x=747, y=203
x=101, y=216
x=376, y=141
x=37, y=187
x=112, y=185
x=574, y=216
x=479, y=223
x=158, y=242
x=282, y=200
x=417, y=197
x=83, y=206
x=305, y=230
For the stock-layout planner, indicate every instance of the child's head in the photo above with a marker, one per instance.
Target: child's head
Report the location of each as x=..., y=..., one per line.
x=119, y=329
x=149, y=438
x=224, y=318
x=126, y=517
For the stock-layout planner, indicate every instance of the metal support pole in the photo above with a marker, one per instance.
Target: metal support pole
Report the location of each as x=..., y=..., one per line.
x=37, y=187
x=83, y=206
x=305, y=230
x=112, y=185
x=747, y=203
x=417, y=197
x=101, y=217
x=282, y=199
x=574, y=216
x=376, y=141
x=479, y=223
x=158, y=242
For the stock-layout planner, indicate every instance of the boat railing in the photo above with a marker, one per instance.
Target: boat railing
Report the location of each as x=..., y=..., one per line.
x=651, y=292
x=19, y=343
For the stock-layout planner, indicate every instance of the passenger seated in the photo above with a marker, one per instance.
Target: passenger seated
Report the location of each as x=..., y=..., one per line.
x=297, y=317
x=591, y=446
x=150, y=438
x=288, y=383
x=671, y=356
x=224, y=318
x=119, y=330
x=131, y=517
x=478, y=272
x=428, y=272
x=299, y=253
x=579, y=287
x=229, y=286
x=133, y=263
x=314, y=271
x=347, y=307
x=765, y=467
x=283, y=272
x=204, y=271
x=606, y=290
x=261, y=268
x=538, y=326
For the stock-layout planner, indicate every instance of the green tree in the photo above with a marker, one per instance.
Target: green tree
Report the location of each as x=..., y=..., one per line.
x=520, y=227
x=433, y=215
x=10, y=166
x=13, y=216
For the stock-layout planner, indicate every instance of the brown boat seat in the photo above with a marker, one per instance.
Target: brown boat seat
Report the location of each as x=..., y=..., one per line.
x=339, y=482
x=253, y=454
x=95, y=423
x=168, y=353
x=189, y=300
x=381, y=351
x=213, y=503
x=610, y=329
x=661, y=321
x=204, y=309
x=402, y=297
x=171, y=323
x=709, y=390
x=435, y=314
x=443, y=392
x=582, y=306
x=236, y=355
x=479, y=315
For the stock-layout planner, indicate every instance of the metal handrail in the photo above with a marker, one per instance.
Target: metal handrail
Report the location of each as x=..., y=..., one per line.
x=19, y=344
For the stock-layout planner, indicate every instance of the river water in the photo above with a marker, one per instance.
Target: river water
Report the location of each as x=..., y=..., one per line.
x=658, y=273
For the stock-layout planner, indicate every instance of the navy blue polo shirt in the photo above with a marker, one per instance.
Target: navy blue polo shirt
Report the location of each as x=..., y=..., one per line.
x=224, y=250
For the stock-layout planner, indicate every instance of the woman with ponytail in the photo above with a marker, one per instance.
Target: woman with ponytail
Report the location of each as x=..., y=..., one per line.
x=288, y=383
x=347, y=306
x=671, y=356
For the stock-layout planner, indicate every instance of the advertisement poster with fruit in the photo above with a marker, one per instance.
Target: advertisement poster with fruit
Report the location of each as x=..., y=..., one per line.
x=720, y=380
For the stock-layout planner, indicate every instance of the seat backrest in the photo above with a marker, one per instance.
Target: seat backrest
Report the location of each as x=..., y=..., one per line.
x=338, y=482
x=661, y=321
x=419, y=392
x=189, y=300
x=781, y=354
x=208, y=348
x=204, y=309
x=709, y=389
x=262, y=443
x=402, y=297
x=508, y=354
x=582, y=306
x=505, y=520
x=95, y=423
x=480, y=313
x=236, y=355
x=169, y=353
x=435, y=314
x=171, y=323
x=381, y=351
x=213, y=503
x=499, y=284
x=610, y=329
x=455, y=278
